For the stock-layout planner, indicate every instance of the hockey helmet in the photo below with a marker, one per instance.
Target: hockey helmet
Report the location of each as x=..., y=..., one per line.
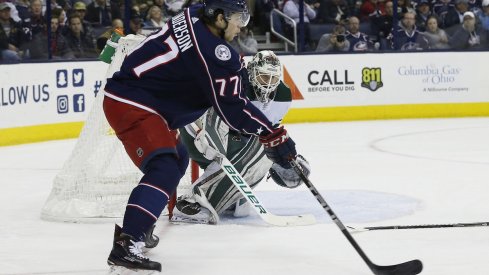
x=229, y=7
x=264, y=72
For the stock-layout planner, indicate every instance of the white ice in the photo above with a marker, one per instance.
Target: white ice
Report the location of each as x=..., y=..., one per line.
x=395, y=172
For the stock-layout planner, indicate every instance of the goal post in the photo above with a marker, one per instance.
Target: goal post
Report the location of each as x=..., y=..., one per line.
x=95, y=182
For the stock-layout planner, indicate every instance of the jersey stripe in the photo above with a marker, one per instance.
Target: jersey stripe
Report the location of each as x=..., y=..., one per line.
x=211, y=80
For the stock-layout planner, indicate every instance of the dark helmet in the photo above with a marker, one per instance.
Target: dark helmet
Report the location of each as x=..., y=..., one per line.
x=228, y=7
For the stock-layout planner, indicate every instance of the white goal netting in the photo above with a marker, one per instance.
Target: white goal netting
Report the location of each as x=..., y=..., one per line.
x=95, y=182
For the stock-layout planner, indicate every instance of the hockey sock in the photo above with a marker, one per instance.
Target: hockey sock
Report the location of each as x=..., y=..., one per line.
x=150, y=197
x=183, y=158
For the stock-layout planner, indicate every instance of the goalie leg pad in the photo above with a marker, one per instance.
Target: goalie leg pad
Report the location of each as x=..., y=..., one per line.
x=287, y=177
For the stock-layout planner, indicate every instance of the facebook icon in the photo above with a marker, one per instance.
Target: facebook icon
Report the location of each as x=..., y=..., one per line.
x=79, y=103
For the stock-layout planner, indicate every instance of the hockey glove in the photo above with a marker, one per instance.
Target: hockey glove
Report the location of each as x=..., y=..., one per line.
x=288, y=177
x=279, y=147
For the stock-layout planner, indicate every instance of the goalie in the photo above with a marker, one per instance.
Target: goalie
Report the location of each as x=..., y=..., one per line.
x=213, y=193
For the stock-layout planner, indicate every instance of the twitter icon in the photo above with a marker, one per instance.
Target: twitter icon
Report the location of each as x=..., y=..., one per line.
x=78, y=77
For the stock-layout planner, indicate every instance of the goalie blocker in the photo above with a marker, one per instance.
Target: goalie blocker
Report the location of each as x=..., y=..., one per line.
x=287, y=177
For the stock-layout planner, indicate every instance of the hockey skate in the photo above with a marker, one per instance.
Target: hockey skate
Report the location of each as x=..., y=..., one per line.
x=150, y=239
x=194, y=208
x=127, y=256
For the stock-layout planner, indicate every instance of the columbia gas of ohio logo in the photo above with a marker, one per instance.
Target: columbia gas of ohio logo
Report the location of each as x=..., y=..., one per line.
x=372, y=78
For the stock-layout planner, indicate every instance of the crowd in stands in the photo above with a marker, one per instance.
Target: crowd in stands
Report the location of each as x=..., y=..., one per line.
x=368, y=25
x=80, y=28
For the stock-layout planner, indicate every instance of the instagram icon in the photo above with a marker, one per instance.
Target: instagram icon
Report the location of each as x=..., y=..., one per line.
x=62, y=104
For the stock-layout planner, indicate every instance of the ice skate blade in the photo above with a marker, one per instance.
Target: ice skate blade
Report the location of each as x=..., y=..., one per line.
x=181, y=219
x=120, y=270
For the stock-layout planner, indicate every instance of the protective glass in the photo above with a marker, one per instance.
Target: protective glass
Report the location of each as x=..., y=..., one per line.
x=241, y=19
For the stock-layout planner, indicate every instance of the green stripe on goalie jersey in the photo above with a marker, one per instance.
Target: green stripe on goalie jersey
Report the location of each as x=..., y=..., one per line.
x=276, y=109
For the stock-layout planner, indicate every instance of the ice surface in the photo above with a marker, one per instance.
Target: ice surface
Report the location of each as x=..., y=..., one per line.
x=371, y=173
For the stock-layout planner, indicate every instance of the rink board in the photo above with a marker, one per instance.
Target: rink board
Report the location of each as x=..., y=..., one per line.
x=55, y=98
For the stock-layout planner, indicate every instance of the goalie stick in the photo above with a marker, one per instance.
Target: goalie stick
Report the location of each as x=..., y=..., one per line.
x=406, y=268
x=416, y=226
x=256, y=204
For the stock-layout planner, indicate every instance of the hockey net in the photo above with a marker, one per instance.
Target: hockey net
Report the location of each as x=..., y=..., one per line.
x=95, y=182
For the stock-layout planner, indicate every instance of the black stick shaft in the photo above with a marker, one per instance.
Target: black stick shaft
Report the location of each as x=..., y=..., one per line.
x=421, y=226
x=333, y=216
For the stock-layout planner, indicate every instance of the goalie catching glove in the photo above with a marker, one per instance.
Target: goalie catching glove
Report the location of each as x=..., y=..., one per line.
x=288, y=177
x=279, y=147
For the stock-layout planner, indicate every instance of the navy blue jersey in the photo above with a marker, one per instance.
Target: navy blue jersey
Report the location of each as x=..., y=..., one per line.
x=408, y=41
x=182, y=70
x=358, y=42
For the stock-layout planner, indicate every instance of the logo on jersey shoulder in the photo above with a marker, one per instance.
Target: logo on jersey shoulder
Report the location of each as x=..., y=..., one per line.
x=140, y=152
x=372, y=78
x=223, y=53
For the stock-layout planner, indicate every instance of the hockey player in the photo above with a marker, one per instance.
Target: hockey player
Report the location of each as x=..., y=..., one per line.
x=165, y=83
x=214, y=193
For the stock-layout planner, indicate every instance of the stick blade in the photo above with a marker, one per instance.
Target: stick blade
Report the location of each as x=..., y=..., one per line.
x=407, y=268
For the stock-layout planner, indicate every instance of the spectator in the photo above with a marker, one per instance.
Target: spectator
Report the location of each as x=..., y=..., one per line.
x=474, y=5
x=437, y=38
x=135, y=24
x=59, y=14
x=334, y=42
x=483, y=15
x=38, y=47
x=14, y=13
x=155, y=18
x=264, y=8
x=174, y=6
x=467, y=36
x=291, y=9
x=359, y=41
x=102, y=39
x=11, y=36
x=441, y=8
x=404, y=6
x=371, y=8
x=22, y=7
x=80, y=43
x=102, y=12
x=455, y=15
x=422, y=15
x=164, y=10
x=244, y=43
x=381, y=26
x=332, y=11
x=36, y=23
x=80, y=9
x=406, y=37
x=143, y=10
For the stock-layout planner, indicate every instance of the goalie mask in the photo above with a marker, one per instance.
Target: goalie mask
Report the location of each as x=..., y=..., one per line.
x=265, y=71
x=287, y=177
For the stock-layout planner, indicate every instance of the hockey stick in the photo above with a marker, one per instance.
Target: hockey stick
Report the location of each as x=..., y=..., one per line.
x=416, y=226
x=251, y=197
x=406, y=268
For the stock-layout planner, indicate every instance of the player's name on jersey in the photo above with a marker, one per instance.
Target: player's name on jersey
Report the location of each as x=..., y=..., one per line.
x=180, y=28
